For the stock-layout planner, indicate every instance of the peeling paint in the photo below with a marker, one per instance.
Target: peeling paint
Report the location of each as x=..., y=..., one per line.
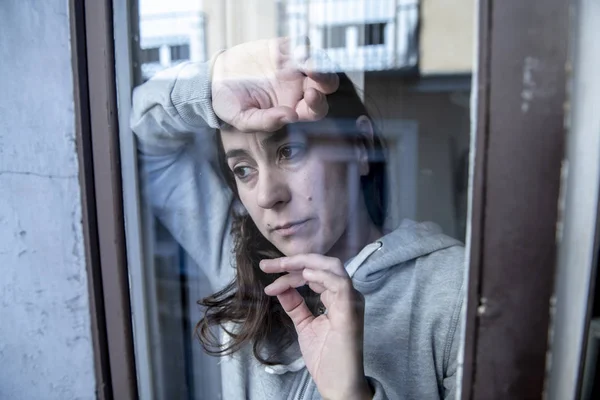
x=533, y=88
x=530, y=65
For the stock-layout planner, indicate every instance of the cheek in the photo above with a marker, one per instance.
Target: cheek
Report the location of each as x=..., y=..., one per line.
x=248, y=201
x=329, y=191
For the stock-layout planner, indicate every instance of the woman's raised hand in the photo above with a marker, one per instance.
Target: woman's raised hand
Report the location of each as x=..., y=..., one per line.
x=331, y=343
x=261, y=86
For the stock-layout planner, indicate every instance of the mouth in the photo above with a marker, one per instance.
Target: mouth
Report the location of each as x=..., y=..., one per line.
x=291, y=228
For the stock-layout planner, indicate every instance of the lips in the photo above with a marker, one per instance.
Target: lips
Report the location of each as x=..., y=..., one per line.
x=291, y=228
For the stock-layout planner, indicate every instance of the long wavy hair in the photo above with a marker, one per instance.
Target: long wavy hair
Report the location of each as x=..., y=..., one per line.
x=242, y=309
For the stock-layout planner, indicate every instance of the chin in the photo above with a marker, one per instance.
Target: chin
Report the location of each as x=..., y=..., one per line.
x=301, y=246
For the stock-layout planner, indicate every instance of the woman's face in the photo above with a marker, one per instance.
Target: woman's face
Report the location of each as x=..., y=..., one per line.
x=299, y=189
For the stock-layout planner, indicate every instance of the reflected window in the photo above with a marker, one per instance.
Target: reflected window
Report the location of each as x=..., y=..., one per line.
x=374, y=34
x=180, y=52
x=150, y=55
x=335, y=36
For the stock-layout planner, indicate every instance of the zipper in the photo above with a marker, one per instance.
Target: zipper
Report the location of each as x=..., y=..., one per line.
x=303, y=390
x=304, y=386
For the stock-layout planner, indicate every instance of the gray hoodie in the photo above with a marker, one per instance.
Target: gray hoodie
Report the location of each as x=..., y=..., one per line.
x=412, y=278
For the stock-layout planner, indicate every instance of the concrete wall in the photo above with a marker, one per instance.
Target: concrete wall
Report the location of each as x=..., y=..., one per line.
x=45, y=340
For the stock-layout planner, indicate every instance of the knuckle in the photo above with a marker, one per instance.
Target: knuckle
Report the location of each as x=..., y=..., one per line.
x=346, y=285
x=338, y=267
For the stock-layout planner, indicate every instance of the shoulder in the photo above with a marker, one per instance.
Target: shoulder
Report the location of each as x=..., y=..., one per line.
x=439, y=276
x=443, y=264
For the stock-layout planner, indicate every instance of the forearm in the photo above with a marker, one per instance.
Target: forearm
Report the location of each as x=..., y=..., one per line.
x=171, y=107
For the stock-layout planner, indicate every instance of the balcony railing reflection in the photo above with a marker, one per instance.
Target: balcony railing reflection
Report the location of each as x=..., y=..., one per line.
x=358, y=35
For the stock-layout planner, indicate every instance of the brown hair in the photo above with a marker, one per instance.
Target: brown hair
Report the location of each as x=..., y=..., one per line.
x=242, y=309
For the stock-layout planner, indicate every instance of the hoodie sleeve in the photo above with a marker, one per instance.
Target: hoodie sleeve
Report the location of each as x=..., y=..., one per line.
x=173, y=120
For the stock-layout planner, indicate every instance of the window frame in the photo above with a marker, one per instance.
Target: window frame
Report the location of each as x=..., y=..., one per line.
x=503, y=49
x=103, y=218
x=503, y=356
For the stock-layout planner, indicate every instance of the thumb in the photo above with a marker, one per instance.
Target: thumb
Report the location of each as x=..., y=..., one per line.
x=295, y=307
x=265, y=120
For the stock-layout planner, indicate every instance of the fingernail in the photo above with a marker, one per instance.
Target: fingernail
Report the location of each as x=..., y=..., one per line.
x=287, y=120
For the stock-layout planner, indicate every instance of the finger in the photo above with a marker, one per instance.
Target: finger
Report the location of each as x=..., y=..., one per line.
x=285, y=282
x=295, y=307
x=267, y=120
x=299, y=49
x=334, y=283
x=302, y=261
x=284, y=53
x=325, y=82
x=316, y=287
x=293, y=52
x=313, y=107
x=284, y=44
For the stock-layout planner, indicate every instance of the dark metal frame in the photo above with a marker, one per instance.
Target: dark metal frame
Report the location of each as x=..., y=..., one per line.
x=103, y=219
x=519, y=149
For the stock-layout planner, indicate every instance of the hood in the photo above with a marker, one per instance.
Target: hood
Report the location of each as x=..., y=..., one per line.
x=408, y=242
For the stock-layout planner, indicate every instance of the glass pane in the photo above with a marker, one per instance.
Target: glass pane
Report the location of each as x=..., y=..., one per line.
x=336, y=149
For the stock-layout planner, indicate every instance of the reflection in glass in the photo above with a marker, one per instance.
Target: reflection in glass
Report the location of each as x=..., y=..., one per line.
x=392, y=149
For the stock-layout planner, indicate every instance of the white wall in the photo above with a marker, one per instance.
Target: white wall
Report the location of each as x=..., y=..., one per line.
x=45, y=339
x=231, y=22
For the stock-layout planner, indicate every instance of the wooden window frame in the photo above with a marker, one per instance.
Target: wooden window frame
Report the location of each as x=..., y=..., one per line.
x=103, y=217
x=520, y=92
x=519, y=140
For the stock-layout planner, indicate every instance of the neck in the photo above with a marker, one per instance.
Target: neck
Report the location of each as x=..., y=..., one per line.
x=360, y=231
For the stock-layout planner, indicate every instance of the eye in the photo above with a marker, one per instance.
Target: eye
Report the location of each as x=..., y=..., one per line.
x=242, y=172
x=291, y=151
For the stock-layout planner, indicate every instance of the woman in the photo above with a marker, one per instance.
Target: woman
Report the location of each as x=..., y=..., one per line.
x=305, y=210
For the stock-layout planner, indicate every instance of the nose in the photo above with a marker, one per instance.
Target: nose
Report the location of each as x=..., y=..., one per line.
x=272, y=189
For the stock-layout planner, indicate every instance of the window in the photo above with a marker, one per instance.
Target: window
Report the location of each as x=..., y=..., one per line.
x=334, y=36
x=180, y=52
x=425, y=170
x=374, y=34
x=185, y=203
x=165, y=200
x=150, y=55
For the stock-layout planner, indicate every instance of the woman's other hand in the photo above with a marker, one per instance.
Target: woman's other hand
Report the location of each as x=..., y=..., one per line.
x=331, y=343
x=261, y=86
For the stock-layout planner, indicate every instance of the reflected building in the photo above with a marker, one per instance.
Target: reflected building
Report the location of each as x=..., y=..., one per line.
x=170, y=32
x=358, y=35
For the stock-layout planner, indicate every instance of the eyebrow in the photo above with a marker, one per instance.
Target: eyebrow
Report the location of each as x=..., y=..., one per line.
x=277, y=137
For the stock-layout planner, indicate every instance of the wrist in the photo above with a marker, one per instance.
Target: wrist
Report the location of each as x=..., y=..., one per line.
x=214, y=76
x=216, y=66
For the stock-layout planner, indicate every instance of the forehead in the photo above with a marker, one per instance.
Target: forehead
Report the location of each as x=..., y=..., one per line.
x=233, y=139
